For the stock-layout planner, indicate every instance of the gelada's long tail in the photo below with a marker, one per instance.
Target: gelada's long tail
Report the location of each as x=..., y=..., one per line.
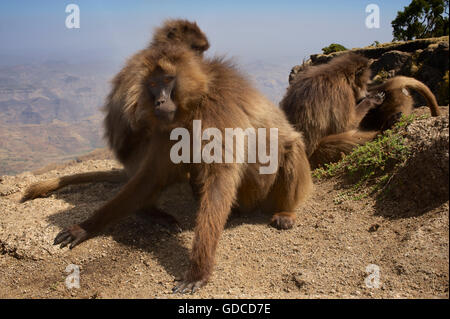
x=43, y=188
x=400, y=82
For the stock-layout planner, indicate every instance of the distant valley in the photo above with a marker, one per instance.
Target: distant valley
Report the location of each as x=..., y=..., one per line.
x=50, y=112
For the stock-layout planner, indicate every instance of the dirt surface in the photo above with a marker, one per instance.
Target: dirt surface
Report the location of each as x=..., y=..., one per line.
x=325, y=255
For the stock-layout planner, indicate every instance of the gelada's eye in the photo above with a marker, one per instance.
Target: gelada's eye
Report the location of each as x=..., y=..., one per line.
x=152, y=84
x=168, y=79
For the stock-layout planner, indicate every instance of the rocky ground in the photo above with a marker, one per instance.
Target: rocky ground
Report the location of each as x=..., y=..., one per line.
x=335, y=249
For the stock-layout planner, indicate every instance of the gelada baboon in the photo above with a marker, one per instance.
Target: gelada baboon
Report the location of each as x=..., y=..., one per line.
x=321, y=103
x=183, y=32
x=397, y=102
x=175, y=31
x=169, y=87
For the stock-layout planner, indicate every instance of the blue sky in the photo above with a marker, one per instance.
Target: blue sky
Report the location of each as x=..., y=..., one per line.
x=248, y=29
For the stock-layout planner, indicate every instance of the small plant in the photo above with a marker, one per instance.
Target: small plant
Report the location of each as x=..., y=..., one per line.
x=334, y=47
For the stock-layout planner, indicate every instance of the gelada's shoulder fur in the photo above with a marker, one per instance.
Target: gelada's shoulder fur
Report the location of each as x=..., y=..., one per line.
x=345, y=64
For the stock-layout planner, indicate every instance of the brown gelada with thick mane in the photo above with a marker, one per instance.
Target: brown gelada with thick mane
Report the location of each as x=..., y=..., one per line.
x=168, y=86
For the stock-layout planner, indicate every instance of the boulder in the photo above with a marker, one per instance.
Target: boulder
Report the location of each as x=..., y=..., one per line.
x=423, y=180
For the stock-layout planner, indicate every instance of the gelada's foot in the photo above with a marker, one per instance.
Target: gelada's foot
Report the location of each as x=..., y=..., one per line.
x=191, y=283
x=283, y=220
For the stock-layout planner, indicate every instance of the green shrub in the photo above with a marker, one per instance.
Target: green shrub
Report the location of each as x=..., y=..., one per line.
x=333, y=47
x=369, y=167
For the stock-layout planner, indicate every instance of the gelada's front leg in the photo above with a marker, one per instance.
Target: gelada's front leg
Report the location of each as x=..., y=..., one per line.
x=142, y=188
x=368, y=103
x=219, y=191
x=124, y=204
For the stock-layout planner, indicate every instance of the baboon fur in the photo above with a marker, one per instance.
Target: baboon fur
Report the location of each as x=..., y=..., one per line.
x=182, y=32
x=213, y=91
x=321, y=103
x=175, y=31
x=397, y=102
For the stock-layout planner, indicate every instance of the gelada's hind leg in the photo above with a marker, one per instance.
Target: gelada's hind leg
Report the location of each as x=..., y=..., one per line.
x=391, y=121
x=292, y=186
x=153, y=214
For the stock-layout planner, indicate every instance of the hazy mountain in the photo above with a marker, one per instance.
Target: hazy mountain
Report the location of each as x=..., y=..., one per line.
x=39, y=94
x=50, y=111
x=270, y=77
